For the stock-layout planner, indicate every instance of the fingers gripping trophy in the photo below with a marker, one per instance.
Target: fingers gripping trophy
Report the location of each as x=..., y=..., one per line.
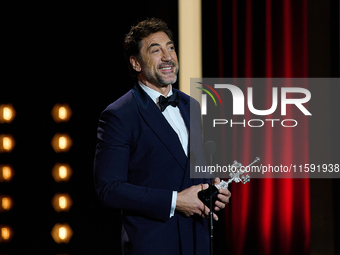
x=237, y=174
x=209, y=196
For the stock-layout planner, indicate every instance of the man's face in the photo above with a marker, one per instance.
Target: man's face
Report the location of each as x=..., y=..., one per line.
x=158, y=63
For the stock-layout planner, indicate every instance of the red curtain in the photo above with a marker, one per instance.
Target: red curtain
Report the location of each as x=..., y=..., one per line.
x=268, y=216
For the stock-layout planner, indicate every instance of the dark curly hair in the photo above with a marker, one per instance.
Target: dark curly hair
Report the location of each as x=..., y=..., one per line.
x=132, y=41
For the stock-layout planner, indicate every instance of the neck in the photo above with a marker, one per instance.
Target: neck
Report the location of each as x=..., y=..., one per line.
x=164, y=90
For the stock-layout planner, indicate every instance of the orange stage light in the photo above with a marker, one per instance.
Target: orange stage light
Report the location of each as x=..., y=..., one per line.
x=61, y=113
x=7, y=113
x=6, y=233
x=6, y=203
x=61, y=233
x=62, y=202
x=61, y=172
x=6, y=173
x=61, y=142
x=7, y=143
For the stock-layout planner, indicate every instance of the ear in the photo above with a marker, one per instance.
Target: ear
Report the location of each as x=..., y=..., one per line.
x=135, y=64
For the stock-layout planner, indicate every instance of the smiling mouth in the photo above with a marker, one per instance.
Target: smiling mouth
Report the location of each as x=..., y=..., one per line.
x=167, y=70
x=167, y=67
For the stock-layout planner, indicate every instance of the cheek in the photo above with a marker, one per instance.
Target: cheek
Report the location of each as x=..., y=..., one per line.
x=151, y=62
x=174, y=56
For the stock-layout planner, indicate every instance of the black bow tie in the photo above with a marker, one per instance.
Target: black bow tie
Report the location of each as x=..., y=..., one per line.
x=171, y=100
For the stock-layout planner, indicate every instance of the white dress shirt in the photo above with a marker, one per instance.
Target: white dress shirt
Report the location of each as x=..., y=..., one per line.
x=175, y=119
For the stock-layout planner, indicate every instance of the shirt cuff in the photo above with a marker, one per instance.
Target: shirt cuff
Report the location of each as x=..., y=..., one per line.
x=173, y=203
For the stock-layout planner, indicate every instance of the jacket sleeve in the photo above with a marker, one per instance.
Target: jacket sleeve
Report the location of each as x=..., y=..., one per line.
x=111, y=166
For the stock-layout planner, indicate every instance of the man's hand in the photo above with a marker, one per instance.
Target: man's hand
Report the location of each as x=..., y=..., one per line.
x=189, y=204
x=223, y=197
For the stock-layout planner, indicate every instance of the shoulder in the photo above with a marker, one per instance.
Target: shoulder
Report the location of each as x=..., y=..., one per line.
x=123, y=103
x=186, y=99
x=120, y=113
x=117, y=118
x=127, y=106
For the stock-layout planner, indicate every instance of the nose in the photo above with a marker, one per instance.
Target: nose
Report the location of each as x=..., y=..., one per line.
x=166, y=55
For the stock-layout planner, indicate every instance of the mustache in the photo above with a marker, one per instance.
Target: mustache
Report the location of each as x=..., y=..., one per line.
x=166, y=64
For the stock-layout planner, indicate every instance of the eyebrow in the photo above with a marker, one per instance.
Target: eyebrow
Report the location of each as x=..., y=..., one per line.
x=157, y=44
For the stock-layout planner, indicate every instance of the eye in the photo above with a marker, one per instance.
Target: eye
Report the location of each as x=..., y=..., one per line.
x=172, y=48
x=155, y=51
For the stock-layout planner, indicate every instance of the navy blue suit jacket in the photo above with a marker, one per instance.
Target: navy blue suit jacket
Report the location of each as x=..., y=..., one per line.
x=139, y=162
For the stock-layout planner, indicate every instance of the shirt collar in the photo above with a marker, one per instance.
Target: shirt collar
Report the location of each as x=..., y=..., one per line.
x=153, y=93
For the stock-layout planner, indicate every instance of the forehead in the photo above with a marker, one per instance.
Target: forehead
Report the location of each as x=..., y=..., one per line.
x=155, y=38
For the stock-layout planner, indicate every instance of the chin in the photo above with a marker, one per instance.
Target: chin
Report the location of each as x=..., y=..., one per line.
x=163, y=82
x=171, y=80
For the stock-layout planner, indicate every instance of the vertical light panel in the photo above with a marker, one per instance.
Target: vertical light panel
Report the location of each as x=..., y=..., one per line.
x=190, y=43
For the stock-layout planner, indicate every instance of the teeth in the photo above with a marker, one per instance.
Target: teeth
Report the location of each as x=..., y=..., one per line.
x=166, y=68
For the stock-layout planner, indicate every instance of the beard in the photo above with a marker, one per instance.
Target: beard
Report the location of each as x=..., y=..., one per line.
x=157, y=78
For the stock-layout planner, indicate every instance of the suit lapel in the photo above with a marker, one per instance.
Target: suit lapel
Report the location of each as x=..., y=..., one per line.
x=160, y=126
x=184, y=107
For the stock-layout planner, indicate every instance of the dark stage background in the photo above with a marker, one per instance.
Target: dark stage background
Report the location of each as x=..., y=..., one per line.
x=71, y=52
x=63, y=52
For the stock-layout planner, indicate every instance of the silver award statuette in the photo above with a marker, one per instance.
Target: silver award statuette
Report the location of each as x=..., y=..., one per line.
x=237, y=174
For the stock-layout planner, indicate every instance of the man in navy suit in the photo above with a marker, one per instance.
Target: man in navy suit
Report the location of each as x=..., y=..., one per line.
x=142, y=161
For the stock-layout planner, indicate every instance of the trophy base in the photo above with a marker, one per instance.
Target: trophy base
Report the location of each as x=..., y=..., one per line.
x=204, y=195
